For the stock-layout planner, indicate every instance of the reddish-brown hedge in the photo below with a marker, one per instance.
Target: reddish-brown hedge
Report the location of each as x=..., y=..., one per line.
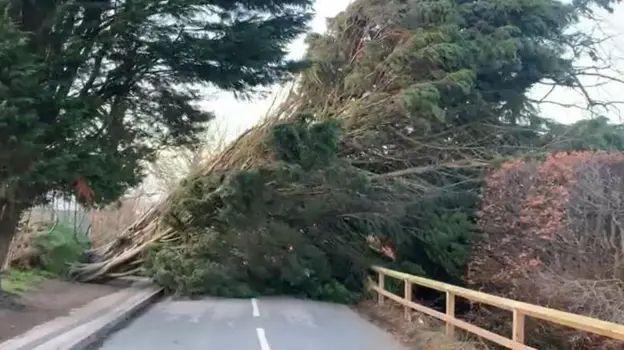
x=553, y=236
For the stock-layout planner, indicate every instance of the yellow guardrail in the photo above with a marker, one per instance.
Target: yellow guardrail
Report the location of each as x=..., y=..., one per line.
x=519, y=310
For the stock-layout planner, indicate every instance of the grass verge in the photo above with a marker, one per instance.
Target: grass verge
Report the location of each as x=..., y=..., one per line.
x=423, y=333
x=18, y=282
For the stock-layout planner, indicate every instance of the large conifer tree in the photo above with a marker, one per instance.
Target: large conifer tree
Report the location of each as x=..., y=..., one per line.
x=91, y=88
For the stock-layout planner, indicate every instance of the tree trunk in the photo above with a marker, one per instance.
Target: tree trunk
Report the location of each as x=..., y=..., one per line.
x=9, y=219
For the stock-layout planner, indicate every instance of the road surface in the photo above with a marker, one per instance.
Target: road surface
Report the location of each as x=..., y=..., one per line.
x=243, y=324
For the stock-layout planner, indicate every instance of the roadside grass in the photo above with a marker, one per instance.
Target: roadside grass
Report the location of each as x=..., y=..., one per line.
x=423, y=333
x=54, y=251
x=17, y=281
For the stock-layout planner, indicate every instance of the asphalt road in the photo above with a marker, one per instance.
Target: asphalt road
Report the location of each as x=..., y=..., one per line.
x=239, y=324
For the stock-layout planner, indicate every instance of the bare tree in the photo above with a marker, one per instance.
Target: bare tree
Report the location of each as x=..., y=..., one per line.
x=597, y=72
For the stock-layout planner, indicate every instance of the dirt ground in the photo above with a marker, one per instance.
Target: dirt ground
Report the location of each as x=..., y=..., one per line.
x=422, y=333
x=51, y=299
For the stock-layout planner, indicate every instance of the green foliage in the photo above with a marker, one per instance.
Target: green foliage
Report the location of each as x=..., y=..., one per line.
x=259, y=232
x=308, y=147
x=310, y=225
x=591, y=134
x=442, y=228
x=423, y=102
x=20, y=281
x=422, y=82
x=89, y=90
x=60, y=248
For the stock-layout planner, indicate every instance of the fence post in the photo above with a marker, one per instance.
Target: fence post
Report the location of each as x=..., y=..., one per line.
x=408, y=297
x=518, y=330
x=450, y=313
x=382, y=286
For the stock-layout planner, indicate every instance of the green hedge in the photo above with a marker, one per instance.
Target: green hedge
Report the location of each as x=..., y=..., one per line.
x=60, y=248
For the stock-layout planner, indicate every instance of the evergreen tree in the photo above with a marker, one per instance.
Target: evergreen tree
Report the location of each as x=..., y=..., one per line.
x=90, y=89
x=443, y=81
x=428, y=94
x=591, y=134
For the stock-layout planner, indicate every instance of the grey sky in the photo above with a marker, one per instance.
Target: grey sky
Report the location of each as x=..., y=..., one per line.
x=238, y=115
x=611, y=25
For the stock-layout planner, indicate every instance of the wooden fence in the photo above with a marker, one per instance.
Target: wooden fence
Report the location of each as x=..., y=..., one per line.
x=518, y=309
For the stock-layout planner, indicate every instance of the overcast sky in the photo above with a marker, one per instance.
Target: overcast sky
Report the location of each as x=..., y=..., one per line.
x=237, y=116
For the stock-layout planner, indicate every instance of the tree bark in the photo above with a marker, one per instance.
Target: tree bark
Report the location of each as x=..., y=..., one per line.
x=9, y=219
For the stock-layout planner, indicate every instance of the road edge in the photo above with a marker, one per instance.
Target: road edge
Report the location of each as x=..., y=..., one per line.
x=113, y=321
x=87, y=331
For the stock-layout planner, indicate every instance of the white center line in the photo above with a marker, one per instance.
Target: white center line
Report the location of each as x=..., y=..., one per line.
x=264, y=344
x=254, y=307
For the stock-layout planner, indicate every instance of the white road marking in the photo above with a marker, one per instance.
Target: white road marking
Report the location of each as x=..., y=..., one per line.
x=254, y=307
x=264, y=344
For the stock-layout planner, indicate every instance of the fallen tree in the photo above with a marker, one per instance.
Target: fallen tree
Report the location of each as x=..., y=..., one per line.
x=378, y=154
